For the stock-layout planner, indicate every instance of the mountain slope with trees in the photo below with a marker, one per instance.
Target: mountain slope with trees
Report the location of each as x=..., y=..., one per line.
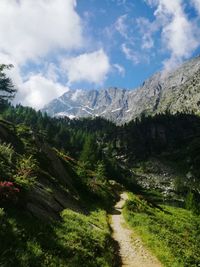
x=60, y=177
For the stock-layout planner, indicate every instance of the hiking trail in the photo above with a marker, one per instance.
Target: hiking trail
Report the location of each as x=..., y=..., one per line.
x=132, y=251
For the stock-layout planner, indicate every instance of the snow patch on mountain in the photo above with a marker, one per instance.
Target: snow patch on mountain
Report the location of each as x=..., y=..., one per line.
x=115, y=110
x=175, y=91
x=65, y=114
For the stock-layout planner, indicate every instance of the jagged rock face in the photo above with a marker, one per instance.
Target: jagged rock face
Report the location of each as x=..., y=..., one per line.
x=109, y=103
x=174, y=91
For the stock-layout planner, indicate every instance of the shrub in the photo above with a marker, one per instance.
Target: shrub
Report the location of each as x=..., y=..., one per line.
x=26, y=169
x=138, y=204
x=8, y=191
x=6, y=151
x=6, y=158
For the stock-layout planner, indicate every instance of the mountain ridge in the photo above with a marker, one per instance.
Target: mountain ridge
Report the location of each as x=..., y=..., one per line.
x=175, y=91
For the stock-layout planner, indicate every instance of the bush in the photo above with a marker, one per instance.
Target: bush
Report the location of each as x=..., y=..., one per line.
x=6, y=158
x=138, y=204
x=6, y=151
x=26, y=169
x=8, y=191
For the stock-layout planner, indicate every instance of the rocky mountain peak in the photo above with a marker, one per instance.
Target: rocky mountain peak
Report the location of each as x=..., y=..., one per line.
x=174, y=91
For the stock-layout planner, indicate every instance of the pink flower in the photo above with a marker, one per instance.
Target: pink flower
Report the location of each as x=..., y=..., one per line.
x=8, y=190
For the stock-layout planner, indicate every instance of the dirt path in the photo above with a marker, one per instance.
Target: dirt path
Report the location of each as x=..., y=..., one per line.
x=131, y=250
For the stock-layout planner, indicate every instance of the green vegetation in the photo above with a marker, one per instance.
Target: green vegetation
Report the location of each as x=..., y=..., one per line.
x=173, y=234
x=77, y=240
x=39, y=156
x=37, y=183
x=56, y=184
x=26, y=166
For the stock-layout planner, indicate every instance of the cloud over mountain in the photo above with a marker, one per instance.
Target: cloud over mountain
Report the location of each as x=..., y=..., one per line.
x=54, y=44
x=92, y=67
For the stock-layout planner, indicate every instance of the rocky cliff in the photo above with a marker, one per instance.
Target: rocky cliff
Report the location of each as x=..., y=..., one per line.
x=175, y=91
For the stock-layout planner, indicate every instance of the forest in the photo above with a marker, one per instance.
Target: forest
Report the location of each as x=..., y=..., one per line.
x=69, y=173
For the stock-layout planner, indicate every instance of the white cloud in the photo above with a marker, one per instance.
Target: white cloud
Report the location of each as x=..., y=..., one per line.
x=124, y=26
x=152, y=3
x=178, y=32
x=38, y=91
x=130, y=54
x=52, y=72
x=178, y=35
x=120, y=69
x=147, y=29
x=121, y=26
x=13, y=73
x=196, y=4
x=180, y=38
x=91, y=67
x=31, y=29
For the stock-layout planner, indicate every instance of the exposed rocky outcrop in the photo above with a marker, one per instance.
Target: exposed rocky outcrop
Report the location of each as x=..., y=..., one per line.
x=175, y=91
x=53, y=189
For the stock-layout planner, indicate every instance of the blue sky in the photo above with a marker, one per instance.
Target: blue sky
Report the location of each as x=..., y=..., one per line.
x=58, y=45
x=103, y=18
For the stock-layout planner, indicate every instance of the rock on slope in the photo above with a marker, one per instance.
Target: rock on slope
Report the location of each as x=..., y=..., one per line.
x=53, y=189
x=175, y=91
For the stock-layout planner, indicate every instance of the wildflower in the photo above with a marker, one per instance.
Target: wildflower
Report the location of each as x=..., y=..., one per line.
x=8, y=190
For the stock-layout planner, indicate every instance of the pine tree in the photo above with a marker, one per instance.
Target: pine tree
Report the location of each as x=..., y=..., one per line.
x=89, y=153
x=7, y=90
x=100, y=171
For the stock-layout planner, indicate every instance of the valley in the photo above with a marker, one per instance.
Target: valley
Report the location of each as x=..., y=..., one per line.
x=62, y=182
x=99, y=133
x=73, y=198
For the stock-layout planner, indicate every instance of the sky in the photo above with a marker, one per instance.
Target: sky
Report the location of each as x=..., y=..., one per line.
x=59, y=45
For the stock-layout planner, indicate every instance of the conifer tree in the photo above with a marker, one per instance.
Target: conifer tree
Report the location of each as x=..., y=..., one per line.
x=89, y=152
x=7, y=89
x=100, y=171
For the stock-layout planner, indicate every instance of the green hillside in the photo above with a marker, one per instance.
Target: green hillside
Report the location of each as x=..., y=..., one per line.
x=59, y=180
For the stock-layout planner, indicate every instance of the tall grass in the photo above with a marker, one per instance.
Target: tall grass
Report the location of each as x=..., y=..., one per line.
x=173, y=234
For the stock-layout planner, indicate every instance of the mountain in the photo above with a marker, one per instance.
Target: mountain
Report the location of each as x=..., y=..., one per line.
x=60, y=178
x=111, y=103
x=175, y=91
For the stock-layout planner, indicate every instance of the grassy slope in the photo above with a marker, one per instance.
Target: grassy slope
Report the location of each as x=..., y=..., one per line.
x=84, y=240
x=79, y=238
x=173, y=234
